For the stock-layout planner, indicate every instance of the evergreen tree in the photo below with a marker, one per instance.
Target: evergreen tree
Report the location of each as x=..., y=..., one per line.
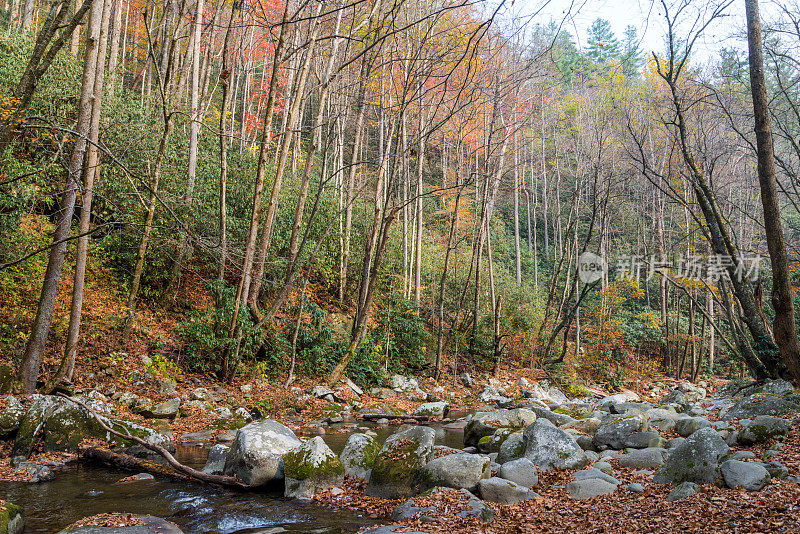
x=603, y=46
x=632, y=56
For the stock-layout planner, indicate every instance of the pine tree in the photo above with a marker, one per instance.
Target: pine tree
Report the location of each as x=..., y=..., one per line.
x=603, y=46
x=632, y=57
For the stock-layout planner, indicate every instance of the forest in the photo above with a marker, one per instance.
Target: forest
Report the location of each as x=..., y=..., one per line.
x=396, y=220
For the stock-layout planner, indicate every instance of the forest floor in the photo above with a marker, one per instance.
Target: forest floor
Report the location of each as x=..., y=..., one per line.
x=108, y=362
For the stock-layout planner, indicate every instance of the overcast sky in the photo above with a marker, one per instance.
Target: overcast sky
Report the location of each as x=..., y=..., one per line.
x=646, y=16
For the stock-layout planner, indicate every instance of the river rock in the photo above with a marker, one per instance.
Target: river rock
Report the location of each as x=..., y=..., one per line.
x=399, y=463
x=692, y=392
x=503, y=491
x=650, y=458
x=682, y=491
x=494, y=395
x=256, y=454
x=166, y=386
x=11, y=518
x=643, y=440
x=761, y=404
x=587, y=425
x=163, y=410
x=590, y=487
x=763, y=428
x=412, y=508
x=751, y=476
x=359, y=455
x=686, y=426
x=492, y=444
x=484, y=424
x=311, y=468
x=215, y=462
x=61, y=425
x=695, y=460
x=595, y=472
x=432, y=409
x=152, y=525
x=551, y=448
x=457, y=471
x=512, y=448
x=613, y=432
x=558, y=419
x=10, y=417
x=520, y=471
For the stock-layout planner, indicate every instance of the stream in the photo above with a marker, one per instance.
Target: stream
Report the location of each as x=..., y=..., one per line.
x=81, y=490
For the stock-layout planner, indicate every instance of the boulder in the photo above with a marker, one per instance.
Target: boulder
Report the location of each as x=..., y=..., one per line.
x=503, y=491
x=10, y=417
x=695, y=460
x=215, y=462
x=310, y=468
x=61, y=425
x=751, y=476
x=606, y=402
x=359, y=455
x=432, y=409
x=494, y=395
x=163, y=410
x=489, y=444
x=165, y=386
x=256, y=454
x=643, y=440
x=11, y=518
x=520, y=471
x=466, y=380
x=512, y=448
x=590, y=487
x=587, y=425
x=484, y=424
x=686, y=426
x=613, y=432
x=557, y=396
x=682, y=491
x=551, y=448
x=152, y=525
x=761, y=404
x=676, y=398
x=321, y=392
x=650, y=458
x=558, y=419
x=595, y=472
x=692, y=392
x=399, y=462
x=413, y=508
x=202, y=394
x=383, y=393
x=763, y=428
x=457, y=471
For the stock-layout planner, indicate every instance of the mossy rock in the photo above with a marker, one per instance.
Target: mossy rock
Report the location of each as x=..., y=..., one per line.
x=310, y=468
x=62, y=425
x=11, y=519
x=399, y=462
x=313, y=459
x=359, y=454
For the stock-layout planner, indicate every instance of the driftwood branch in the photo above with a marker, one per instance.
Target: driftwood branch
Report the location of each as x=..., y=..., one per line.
x=175, y=464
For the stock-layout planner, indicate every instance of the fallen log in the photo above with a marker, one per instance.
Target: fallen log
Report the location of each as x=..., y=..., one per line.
x=126, y=462
x=391, y=417
x=220, y=480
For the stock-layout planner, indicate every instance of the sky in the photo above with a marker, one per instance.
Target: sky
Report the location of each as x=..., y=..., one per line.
x=645, y=15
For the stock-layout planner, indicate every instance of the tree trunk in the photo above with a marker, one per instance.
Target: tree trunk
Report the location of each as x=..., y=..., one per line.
x=784, y=327
x=31, y=360
x=90, y=171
